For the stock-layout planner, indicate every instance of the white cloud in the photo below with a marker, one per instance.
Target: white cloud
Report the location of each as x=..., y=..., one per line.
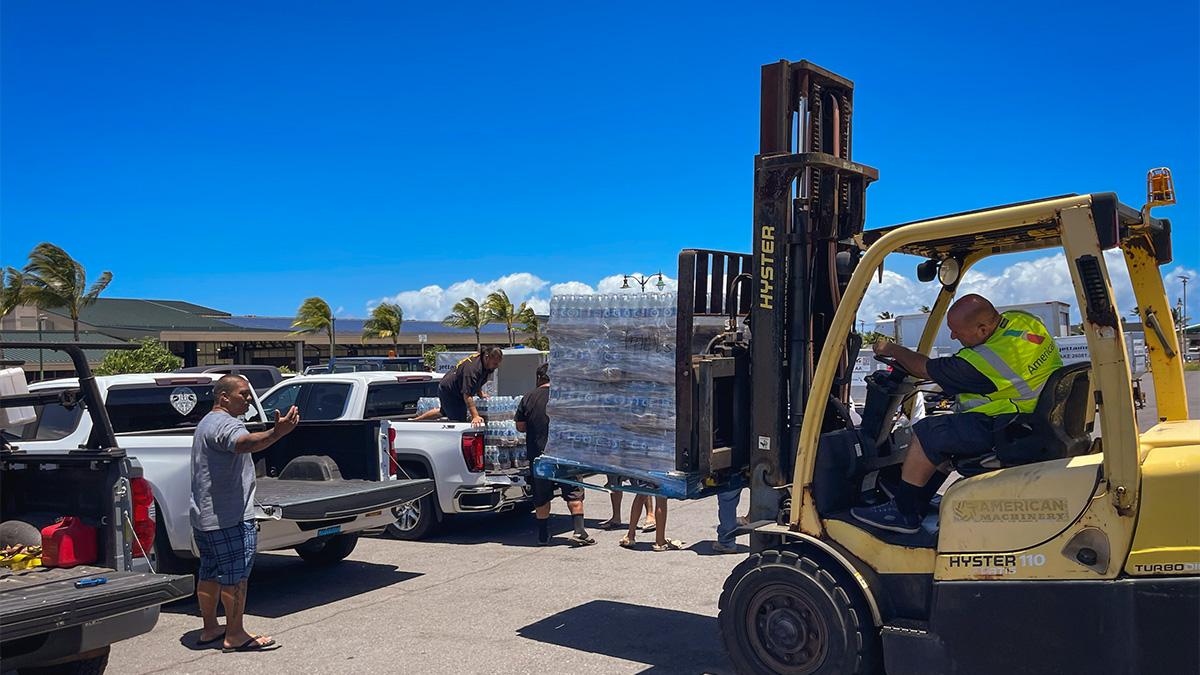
x=1028, y=281
x=571, y=288
x=433, y=303
x=897, y=294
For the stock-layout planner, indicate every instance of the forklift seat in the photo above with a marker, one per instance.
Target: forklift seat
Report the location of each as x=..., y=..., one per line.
x=1058, y=426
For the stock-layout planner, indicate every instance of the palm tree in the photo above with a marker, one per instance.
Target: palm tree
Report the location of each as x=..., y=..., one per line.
x=530, y=323
x=13, y=283
x=54, y=279
x=314, y=316
x=883, y=316
x=385, y=322
x=500, y=310
x=468, y=313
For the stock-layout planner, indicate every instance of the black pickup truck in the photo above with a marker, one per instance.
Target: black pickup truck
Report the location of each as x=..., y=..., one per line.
x=47, y=617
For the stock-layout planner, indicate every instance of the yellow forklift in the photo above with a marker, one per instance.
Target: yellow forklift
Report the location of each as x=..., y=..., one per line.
x=1079, y=553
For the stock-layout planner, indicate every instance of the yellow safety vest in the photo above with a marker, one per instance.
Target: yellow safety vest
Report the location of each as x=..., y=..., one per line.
x=1018, y=359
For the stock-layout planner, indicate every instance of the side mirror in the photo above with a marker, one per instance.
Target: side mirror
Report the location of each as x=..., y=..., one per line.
x=928, y=270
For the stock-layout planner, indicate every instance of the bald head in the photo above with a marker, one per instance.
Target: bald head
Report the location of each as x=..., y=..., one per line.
x=972, y=320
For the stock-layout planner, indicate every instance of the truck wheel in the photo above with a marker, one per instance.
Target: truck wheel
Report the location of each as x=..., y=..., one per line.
x=418, y=519
x=784, y=613
x=165, y=560
x=329, y=551
x=93, y=665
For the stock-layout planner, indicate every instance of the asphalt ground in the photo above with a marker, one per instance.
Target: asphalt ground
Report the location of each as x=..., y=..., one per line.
x=481, y=598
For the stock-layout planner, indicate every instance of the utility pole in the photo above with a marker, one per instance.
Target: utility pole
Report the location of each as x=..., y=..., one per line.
x=1183, y=314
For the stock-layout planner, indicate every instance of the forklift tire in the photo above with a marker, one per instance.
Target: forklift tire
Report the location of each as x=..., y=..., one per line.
x=784, y=613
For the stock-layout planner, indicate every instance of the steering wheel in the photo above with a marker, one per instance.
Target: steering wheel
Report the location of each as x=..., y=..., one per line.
x=892, y=363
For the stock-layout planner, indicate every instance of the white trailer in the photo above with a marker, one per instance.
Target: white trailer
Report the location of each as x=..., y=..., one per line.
x=906, y=329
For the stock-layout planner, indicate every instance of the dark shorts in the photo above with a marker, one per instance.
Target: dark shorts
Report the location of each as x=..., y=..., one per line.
x=453, y=406
x=227, y=555
x=543, y=491
x=957, y=435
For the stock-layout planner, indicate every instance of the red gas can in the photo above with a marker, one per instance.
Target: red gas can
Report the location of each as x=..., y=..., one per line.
x=68, y=543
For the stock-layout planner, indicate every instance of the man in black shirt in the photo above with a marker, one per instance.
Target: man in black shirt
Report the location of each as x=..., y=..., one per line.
x=458, y=389
x=532, y=420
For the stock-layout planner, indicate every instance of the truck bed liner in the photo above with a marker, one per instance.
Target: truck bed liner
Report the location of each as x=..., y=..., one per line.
x=42, y=599
x=320, y=500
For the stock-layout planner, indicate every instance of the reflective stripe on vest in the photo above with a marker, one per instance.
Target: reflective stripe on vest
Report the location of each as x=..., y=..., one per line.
x=1020, y=344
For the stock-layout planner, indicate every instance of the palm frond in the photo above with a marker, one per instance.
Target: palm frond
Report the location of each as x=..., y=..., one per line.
x=384, y=322
x=313, y=315
x=12, y=290
x=96, y=289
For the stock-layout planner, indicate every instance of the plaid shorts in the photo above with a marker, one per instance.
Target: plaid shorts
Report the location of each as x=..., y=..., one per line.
x=227, y=555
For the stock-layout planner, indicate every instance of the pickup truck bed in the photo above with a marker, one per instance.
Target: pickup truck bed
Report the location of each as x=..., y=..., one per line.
x=321, y=500
x=40, y=600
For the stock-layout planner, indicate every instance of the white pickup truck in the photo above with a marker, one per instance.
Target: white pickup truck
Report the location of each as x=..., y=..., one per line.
x=451, y=453
x=318, y=487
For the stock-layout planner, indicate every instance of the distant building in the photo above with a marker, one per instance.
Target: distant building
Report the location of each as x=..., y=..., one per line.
x=204, y=336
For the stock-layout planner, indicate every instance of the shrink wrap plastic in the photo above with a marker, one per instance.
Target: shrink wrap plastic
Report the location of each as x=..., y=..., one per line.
x=612, y=381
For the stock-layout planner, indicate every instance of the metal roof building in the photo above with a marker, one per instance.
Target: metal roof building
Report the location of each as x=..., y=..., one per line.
x=205, y=336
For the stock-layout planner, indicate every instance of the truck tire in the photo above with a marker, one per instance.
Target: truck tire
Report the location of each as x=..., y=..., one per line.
x=419, y=519
x=92, y=665
x=166, y=561
x=784, y=613
x=328, y=551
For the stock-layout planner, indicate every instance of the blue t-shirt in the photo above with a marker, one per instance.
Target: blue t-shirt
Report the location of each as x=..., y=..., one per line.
x=222, y=479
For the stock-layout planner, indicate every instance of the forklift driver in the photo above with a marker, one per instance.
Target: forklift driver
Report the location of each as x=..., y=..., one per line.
x=1005, y=360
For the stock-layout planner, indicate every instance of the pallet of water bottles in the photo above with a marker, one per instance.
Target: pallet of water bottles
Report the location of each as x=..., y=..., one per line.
x=670, y=484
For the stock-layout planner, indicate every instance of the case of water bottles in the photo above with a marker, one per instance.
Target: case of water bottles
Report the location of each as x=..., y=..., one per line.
x=504, y=446
x=612, y=391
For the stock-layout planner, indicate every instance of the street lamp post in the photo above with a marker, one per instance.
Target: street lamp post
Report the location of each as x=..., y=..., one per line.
x=642, y=281
x=41, y=318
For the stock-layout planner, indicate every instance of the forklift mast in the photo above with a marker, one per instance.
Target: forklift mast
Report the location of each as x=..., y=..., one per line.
x=809, y=205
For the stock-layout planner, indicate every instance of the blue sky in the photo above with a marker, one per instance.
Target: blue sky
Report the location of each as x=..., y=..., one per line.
x=248, y=155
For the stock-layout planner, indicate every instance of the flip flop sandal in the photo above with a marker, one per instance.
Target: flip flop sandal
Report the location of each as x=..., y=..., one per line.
x=669, y=545
x=610, y=524
x=625, y=542
x=577, y=540
x=253, y=645
x=205, y=643
x=649, y=527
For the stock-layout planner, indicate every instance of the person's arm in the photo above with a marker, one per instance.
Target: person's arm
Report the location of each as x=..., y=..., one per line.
x=261, y=440
x=955, y=375
x=909, y=360
x=470, y=389
x=520, y=415
x=476, y=418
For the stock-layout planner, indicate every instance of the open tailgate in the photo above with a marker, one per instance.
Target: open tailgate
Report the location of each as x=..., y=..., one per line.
x=40, y=600
x=326, y=499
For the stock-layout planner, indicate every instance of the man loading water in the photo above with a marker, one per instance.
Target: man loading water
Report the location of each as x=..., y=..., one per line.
x=1005, y=360
x=460, y=387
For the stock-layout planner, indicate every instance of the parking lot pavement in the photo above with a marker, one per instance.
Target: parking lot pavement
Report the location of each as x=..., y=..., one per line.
x=477, y=598
x=480, y=598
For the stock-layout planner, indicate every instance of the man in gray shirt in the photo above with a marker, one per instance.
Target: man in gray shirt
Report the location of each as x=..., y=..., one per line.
x=222, y=510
